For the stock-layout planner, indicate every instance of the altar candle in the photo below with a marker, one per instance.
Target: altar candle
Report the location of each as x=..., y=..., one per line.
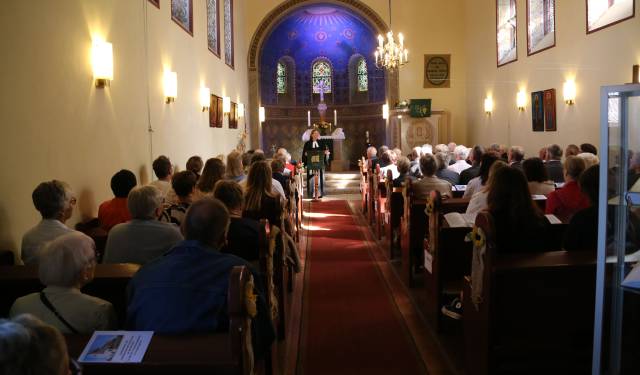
x=308, y=119
x=335, y=117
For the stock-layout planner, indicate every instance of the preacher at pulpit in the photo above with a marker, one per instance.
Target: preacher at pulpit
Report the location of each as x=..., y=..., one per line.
x=315, y=143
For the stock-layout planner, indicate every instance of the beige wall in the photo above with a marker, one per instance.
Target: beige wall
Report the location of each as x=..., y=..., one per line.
x=429, y=26
x=56, y=124
x=594, y=60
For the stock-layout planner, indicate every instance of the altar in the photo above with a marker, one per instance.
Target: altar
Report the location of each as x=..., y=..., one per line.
x=335, y=141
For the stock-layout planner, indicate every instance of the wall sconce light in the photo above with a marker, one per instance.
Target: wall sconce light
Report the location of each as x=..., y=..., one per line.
x=205, y=98
x=569, y=92
x=226, y=105
x=240, y=110
x=521, y=100
x=261, y=114
x=488, y=105
x=385, y=111
x=170, y=86
x=102, y=61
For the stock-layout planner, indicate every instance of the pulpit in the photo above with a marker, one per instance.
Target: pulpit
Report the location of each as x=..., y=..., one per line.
x=407, y=132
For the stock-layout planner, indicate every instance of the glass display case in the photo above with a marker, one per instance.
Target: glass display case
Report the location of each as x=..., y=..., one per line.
x=617, y=315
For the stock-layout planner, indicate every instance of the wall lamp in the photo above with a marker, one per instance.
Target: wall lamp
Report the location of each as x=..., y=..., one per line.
x=170, y=86
x=521, y=100
x=205, y=98
x=569, y=92
x=262, y=115
x=488, y=105
x=102, y=61
x=385, y=111
x=240, y=110
x=226, y=105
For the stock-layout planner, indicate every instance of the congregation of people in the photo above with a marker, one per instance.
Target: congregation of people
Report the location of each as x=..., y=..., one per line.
x=187, y=229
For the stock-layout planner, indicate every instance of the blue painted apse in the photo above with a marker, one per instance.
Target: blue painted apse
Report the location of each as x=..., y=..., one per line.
x=320, y=31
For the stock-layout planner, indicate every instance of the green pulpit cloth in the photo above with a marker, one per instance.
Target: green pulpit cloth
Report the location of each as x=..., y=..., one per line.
x=315, y=159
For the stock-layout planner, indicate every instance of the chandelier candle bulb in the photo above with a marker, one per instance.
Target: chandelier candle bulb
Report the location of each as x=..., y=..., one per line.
x=335, y=117
x=261, y=115
x=308, y=119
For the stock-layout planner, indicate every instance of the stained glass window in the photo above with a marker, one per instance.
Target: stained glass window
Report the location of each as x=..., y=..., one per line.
x=321, y=73
x=363, y=78
x=213, y=28
x=281, y=79
x=228, y=32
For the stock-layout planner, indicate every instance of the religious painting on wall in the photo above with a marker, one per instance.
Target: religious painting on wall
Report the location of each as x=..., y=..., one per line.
x=228, y=33
x=506, y=31
x=156, y=3
x=550, y=110
x=537, y=111
x=182, y=14
x=541, y=25
x=437, y=70
x=604, y=13
x=213, y=27
x=215, y=112
x=233, y=116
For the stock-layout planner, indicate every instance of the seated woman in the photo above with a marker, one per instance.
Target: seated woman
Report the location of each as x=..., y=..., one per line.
x=568, y=200
x=67, y=264
x=260, y=202
x=479, y=200
x=404, y=168
x=539, y=182
x=213, y=172
x=477, y=183
x=194, y=164
x=114, y=211
x=29, y=346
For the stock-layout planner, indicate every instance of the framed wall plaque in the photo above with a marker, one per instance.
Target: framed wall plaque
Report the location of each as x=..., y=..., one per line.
x=550, y=110
x=215, y=112
x=233, y=116
x=437, y=71
x=182, y=14
x=537, y=111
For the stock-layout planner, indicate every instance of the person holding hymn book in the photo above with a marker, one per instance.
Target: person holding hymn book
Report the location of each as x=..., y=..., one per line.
x=30, y=346
x=185, y=290
x=184, y=184
x=582, y=232
x=423, y=187
x=314, y=144
x=475, y=156
x=539, y=183
x=55, y=202
x=243, y=233
x=214, y=171
x=520, y=227
x=115, y=211
x=144, y=238
x=65, y=265
x=569, y=199
x=477, y=183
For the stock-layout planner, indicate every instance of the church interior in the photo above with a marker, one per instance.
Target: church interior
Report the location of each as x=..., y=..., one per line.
x=320, y=187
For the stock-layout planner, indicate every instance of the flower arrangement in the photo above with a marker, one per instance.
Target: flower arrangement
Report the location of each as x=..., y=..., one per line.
x=477, y=237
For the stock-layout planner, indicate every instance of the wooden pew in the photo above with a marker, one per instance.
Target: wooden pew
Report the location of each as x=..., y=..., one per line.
x=380, y=201
x=109, y=283
x=413, y=225
x=449, y=256
x=372, y=183
x=393, y=215
x=364, y=184
x=7, y=258
x=535, y=312
x=216, y=353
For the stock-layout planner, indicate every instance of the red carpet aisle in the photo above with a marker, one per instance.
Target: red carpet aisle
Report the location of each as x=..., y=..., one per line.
x=350, y=324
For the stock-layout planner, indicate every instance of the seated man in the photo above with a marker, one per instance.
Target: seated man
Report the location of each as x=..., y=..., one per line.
x=429, y=182
x=372, y=157
x=475, y=156
x=163, y=169
x=416, y=152
x=243, y=234
x=184, y=184
x=195, y=164
x=461, y=153
x=185, y=291
x=277, y=172
x=444, y=173
x=115, y=211
x=55, y=201
x=554, y=163
x=144, y=238
x=388, y=159
x=516, y=155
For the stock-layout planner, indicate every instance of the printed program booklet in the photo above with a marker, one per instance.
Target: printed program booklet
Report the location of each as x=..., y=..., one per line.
x=116, y=347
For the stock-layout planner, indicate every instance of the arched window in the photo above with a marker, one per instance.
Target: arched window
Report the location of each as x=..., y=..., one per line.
x=321, y=77
x=363, y=78
x=281, y=79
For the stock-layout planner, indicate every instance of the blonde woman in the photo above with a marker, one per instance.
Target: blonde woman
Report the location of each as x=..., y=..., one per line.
x=235, y=168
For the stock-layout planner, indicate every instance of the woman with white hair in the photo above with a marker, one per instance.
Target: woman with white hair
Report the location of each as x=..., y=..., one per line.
x=65, y=265
x=589, y=159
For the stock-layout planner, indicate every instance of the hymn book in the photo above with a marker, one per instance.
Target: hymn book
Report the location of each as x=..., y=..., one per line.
x=116, y=347
x=458, y=220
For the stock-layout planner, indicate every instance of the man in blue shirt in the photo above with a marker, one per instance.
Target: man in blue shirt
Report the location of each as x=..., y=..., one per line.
x=185, y=291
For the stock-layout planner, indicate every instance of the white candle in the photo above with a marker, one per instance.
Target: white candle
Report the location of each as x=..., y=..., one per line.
x=335, y=117
x=308, y=119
